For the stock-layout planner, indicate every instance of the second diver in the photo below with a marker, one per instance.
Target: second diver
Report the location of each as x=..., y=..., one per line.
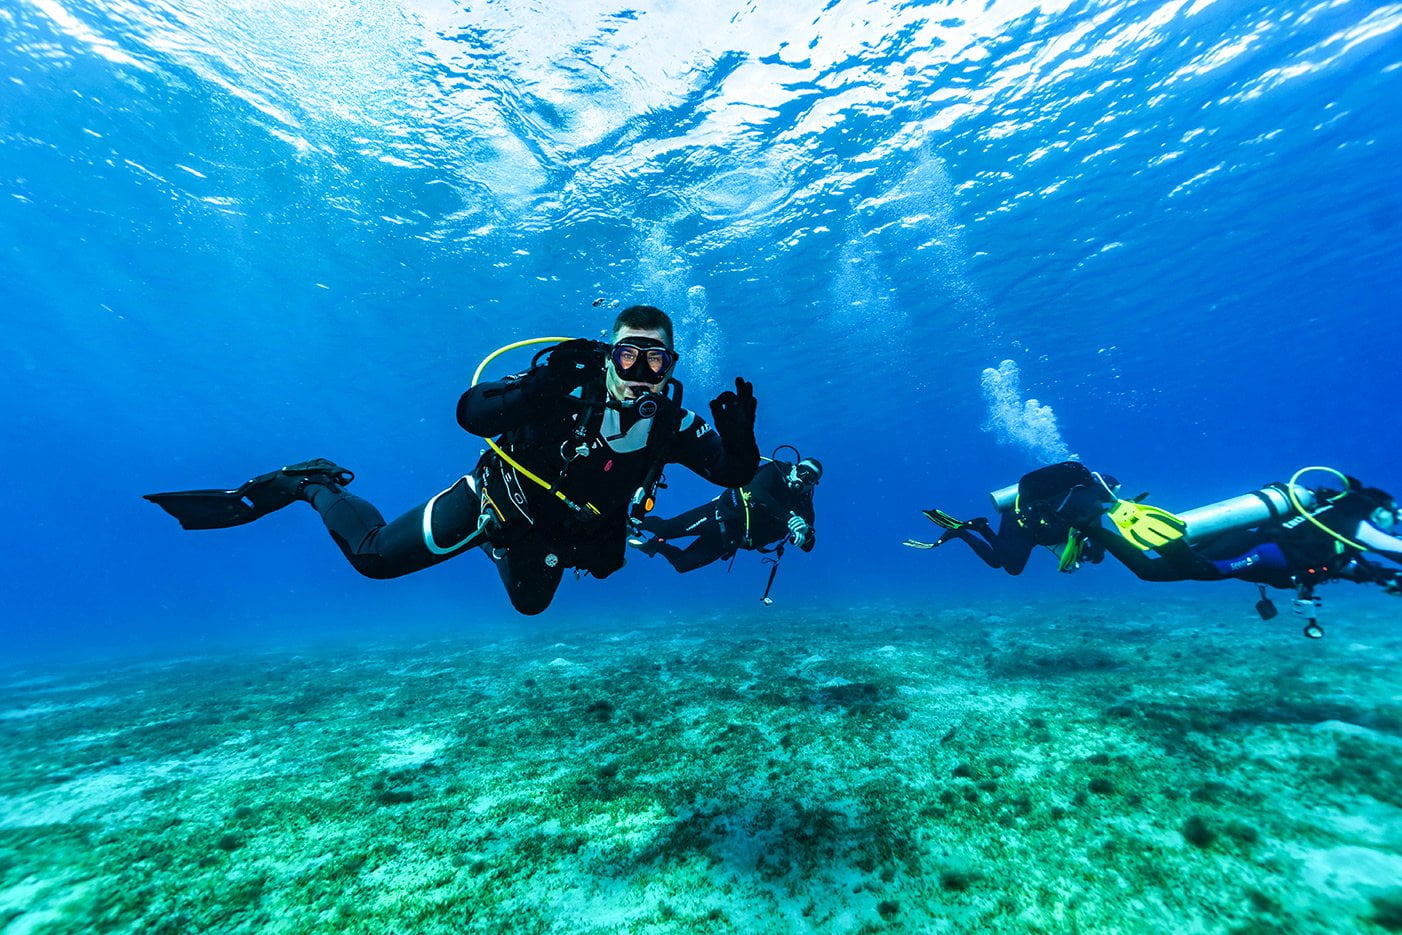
x=776, y=506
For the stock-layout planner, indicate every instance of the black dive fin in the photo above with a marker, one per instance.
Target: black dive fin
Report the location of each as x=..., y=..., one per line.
x=208, y=509
x=220, y=509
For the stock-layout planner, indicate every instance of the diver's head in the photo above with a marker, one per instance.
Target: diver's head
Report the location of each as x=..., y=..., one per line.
x=805, y=474
x=1109, y=486
x=1385, y=513
x=641, y=358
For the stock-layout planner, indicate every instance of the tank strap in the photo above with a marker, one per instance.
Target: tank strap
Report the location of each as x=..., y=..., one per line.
x=1269, y=504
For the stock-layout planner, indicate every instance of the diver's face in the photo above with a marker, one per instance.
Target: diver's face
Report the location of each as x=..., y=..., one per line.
x=1385, y=518
x=801, y=477
x=623, y=389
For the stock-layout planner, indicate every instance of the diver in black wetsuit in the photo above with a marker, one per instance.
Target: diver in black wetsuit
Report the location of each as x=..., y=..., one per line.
x=583, y=438
x=1051, y=502
x=776, y=506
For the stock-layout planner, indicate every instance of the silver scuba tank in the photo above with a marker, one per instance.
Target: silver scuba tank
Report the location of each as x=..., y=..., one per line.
x=1004, y=498
x=1271, y=502
x=1250, y=509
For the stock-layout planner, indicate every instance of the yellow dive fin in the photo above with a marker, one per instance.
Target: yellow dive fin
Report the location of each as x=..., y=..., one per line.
x=1069, y=559
x=1146, y=526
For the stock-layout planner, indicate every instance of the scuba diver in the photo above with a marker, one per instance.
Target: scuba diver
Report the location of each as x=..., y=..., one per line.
x=582, y=438
x=1281, y=536
x=774, y=508
x=1046, y=508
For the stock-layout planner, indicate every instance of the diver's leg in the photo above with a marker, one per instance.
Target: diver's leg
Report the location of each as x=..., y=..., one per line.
x=443, y=527
x=1263, y=564
x=681, y=525
x=992, y=547
x=1013, y=545
x=1175, y=561
x=530, y=572
x=980, y=547
x=1144, y=566
x=264, y=494
x=709, y=546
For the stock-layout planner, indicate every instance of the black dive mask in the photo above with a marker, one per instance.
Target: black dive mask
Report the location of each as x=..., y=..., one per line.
x=642, y=360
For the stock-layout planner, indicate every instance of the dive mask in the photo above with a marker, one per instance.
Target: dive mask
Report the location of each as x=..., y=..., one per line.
x=642, y=360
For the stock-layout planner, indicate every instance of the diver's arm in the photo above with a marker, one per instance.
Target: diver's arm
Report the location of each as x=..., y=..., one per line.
x=733, y=414
x=799, y=506
x=489, y=409
x=810, y=535
x=699, y=448
x=805, y=512
x=1378, y=541
x=1361, y=571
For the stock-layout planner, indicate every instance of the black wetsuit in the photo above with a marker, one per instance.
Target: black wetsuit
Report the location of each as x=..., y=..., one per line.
x=533, y=535
x=1050, y=501
x=750, y=517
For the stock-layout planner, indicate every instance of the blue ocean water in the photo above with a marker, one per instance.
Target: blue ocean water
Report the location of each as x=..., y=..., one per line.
x=238, y=234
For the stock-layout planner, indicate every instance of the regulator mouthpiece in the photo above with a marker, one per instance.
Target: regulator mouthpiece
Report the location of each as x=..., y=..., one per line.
x=647, y=405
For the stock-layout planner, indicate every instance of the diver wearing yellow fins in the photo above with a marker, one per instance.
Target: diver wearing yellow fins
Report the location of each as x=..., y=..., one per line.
x=1284, y=535
x=581, y=440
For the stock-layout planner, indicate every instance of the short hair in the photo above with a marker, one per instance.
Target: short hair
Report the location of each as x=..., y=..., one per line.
x=644, y=318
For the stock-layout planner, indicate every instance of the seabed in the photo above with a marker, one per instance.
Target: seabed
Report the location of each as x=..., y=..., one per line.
x=1061, y=767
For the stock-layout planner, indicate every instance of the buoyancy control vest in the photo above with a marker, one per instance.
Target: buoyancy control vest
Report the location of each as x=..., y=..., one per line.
x=603, y=462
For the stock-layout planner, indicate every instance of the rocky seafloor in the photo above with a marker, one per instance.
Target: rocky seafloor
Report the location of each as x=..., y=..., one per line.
x=1065, y=767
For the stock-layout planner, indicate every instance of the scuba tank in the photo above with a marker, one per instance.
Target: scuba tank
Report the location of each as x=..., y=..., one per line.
x=1271, y=502
x=1250, y=509
x=1004, y=498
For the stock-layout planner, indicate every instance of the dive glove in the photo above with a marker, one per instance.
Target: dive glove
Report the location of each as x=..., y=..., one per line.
x=570, y=364
x=733, y=415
